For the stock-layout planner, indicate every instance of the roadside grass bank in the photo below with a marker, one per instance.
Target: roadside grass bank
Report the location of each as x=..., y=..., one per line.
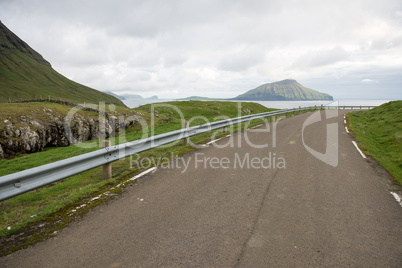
x=379, y=132
x=26, y=212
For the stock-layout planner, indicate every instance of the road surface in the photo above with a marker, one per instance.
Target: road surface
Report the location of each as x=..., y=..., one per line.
x=234, y=207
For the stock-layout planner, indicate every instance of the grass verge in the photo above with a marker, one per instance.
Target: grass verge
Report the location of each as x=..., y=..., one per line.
x=379, y=132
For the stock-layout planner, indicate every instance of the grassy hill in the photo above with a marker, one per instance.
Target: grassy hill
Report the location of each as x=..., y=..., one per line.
x=25, y=74
x=212, y=110
x=380, y=132
x=286, y=90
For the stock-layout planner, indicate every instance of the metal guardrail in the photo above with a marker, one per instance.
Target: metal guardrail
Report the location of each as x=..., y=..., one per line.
x=349, y=107
x=27, y=180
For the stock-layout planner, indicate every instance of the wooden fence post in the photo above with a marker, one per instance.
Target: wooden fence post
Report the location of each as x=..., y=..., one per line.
x=106, y=168
x=186, y=125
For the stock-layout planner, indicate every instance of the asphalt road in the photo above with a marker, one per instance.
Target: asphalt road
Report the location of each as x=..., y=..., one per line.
x=242, y=206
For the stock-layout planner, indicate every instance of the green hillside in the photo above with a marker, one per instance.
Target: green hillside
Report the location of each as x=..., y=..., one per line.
x=380, y=133
x=285, y=90
x=25, y=74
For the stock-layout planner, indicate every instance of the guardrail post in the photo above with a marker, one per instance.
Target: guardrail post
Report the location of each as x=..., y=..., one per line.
x=106, y=168
x=185, y=125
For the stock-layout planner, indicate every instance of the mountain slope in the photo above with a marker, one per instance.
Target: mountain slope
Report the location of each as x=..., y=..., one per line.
x=25, y=74
x=284, y=90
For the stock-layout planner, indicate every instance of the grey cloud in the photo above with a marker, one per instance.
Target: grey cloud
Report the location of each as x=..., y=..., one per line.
x=214, y=46
x=242, y=60
x=170, y=60
x=321, y=58
x=397, y=42
x=382, y=44
x=368, y=80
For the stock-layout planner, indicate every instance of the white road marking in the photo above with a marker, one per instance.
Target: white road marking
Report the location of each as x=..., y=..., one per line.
x=347, y=130
x=357, y=147
x=213, y=141
x=142, y=173
x=344, y=121
x=217, y=139
x=108, y=192
x=397, y=198
x=96, y=197
x=257, y=126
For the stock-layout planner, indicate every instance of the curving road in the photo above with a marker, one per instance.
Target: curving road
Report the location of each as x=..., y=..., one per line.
x=243, y=206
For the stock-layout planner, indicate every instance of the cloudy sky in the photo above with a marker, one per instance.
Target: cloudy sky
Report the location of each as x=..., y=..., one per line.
x=217, y=48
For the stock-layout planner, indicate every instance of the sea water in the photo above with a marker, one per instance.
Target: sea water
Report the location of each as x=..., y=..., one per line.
x=340, y=102
x=133, y=103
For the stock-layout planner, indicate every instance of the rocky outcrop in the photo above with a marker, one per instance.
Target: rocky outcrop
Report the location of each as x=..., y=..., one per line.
x=32, y=133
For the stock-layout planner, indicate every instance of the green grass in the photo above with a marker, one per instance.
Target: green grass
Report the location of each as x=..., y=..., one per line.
x=379, y=132
x=33, y=206
x=210, y=110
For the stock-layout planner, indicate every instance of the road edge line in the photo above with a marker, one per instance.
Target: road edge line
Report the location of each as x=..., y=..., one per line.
x=208, y=143
x=142, y=173
x=358, y=149
x=397, y=197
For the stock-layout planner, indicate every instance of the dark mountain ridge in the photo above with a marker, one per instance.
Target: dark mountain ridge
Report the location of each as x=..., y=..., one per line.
x=25, y=74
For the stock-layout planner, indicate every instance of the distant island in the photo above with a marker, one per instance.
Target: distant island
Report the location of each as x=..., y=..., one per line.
x=285, y=90
x=131, y=96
